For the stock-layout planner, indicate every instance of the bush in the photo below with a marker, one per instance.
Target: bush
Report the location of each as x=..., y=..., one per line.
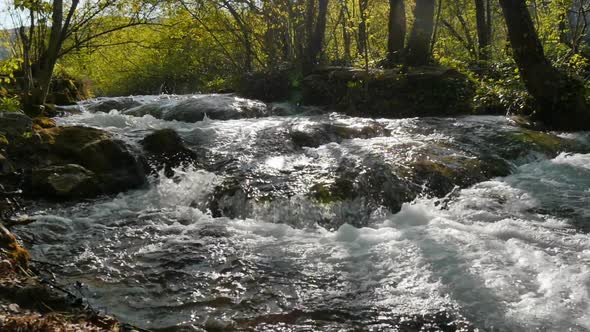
x=10, y=104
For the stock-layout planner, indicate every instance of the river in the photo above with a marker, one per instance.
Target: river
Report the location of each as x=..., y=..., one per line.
x=507, y=253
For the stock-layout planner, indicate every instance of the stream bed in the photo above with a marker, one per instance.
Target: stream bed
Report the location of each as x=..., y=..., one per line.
x=288, y=249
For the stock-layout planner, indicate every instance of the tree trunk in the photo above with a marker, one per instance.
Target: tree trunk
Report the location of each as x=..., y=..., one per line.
x=397, y=30
x=482, y=29
x=33, y=104
x=316, y=41
x=489, y=19
x=346, y=34
x=436, y=24
x=560, y=99
x=418, y=50
x=362, y=34
x=246, y=36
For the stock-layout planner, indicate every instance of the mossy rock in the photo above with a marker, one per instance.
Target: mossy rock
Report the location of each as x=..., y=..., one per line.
x=3, y=141
x=541, y=140
x=65, y=182
x=115, y=166
x=42, y=122
x=5, y=165
x=108, y=104
x=326, y=193
x=14, y=125
x=521, y=143
x=13, y=250
x=166, y=149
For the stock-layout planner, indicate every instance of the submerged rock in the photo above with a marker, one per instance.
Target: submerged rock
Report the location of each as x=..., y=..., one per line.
x=196, y=108
x=108, y=104
x=65, y=182
x=347, y=168
x=165, y=149
x=316, y=134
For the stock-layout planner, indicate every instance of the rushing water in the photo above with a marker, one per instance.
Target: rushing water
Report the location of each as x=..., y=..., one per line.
x=508, y=254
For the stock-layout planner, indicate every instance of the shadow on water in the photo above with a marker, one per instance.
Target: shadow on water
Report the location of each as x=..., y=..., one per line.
x=477, y=302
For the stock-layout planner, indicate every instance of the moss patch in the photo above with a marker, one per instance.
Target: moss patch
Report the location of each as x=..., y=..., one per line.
x=43, y=123
x=3, y=141
x=14, y=252
x=544, y=141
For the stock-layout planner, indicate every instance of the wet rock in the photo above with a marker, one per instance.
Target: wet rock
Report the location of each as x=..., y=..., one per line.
x=112, y=162
x=225, y=108
x=166, y=149
x=11, y=249
x=14, y=308
x=5, y=165
x=108, y=104
x=3, y=141
x=65, y=182
x=316, y=134
x=196, y=108
x=14, y=125
x=286, y=109
x=61, y=110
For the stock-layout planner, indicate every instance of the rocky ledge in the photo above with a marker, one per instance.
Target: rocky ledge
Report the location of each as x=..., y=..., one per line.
x=64, y=162
x=392, y=93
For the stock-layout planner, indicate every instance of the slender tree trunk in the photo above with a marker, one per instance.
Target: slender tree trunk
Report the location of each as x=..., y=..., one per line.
x=246, y=37
x=560, y=99
x=362, y=33
x=490, y=22
x=418, y=50
x=346, y=34
x=482, y=29
x=397, y=30
x=436, y=24
x=36, y=101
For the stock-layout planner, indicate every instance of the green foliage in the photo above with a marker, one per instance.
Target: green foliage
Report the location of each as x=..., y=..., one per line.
x=202, y=46
x=501, y=90
x=10, y=104
x=9, y=101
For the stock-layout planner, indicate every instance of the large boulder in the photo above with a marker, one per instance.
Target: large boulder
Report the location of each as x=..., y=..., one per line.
x=196, y=108
x=113, y=163
x=14, y=125
x=165, y=149
x=316, y=134
x=5, y=165
x=65, y=182
x=108, y=104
